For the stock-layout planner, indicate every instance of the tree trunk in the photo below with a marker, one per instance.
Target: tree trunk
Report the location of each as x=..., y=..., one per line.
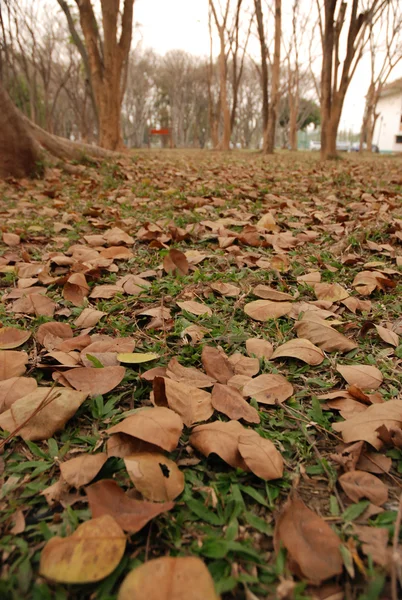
x=293, y=110
x=326, y=80
x=269, y=137
x=225, y=142
x=19, y=152
x=264, y=63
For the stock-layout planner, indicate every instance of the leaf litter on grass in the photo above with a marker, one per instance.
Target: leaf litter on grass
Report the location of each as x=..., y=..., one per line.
x=269, y=309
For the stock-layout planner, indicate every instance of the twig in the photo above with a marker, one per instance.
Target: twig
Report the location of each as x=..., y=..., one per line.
x=395, y=553
x=148, y=544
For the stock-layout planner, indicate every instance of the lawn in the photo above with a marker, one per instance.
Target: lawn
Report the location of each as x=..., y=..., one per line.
x=179, y=277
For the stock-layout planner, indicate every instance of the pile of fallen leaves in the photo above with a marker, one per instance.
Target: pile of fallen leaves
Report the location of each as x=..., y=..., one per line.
x=265, y=437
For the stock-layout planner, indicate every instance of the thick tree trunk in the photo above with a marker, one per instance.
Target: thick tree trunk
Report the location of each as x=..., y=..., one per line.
x=225, y=142
x=269, y=137
x=326, y=80
x=19, y=152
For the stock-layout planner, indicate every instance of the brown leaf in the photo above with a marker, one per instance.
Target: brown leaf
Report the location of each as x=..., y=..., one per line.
x=387, y=335
x=263, y=310
x=231, y=403
x=80, y=470
x=196, y=333
x=169, y=578
x=152, y=373
x=160, y=426
x=90, y=554
x=364, y=425
x=221, y=439
x=359, y=484
x=12, y=364
x=374, y=462
x=320, y=333
x=260, y=455
x=11, y=239
x=216, y=364
x=363, y=376
x=94, y=381
x=268, y=293
x=89, y=317
x=333, y=292
x=106, y=497
x=243, y=365
x=76, y=289
x=11, y=337
x=310, y=278
x=195, y=308
x=192, y=404
x=117, y=253
x=374, y=543
x=366, y=282
x=175, y=261
x=259, y=347
x=59, y=405
x=62, y=331
x=226, y=289
x=122, y=445
x=106, y=291
x=302, y=349
x=188, y=375
x=15, y=388
x=269, y=389
x=313, y=548
x=18, y=521
x=116, y=236
x=157, y=478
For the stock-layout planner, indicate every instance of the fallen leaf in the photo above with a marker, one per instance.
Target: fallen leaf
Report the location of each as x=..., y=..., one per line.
x=244, y=365
x=302, y=349
x=76, y=289
x=366, y=377
x=333, y=292
x=159, y=426
x=56, y=406
x=12, y=364
x=18, y=521
x=157, y=478
x=359, y=484
x=80, y=470
x=93, y=381
x=216, y=364
x=309, y=278
x=191, y=403
x=106, y=291
x=117, y=236
x=90, y=554
x=374, y=543
x=268, y=293
x=15, y=388
x=269, y=389
x=152, y=373
x=259, y=347
x=231, y=403
x=222, y=439
x=188, y=375
x=260, y=455
x=106, y=498
x=374, y=462
x=89, y=317
x=320, y=333
x=122, y=445
x=62, y=331
x=226, y=289
x=313, y=549
x=169, y=578
x=136, y=358
x=263, y=310
x=11, y=239
x=175, y=260
x=11, y=337
x=195, y=308
x=387, y=335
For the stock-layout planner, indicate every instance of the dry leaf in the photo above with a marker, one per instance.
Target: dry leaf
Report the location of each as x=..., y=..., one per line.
x=56, y=406
x=11, y=239
x=136, y=358
x=11, y=337
x=366, y=377
x=157, y=478
x=15, y=388
x=268, y=389
x=90, y=554
x=260, y=455
x=94, y=381
x=175, y=261
x=268, y=293
x=89, y=317
x=169, y=578
x=374, y=543
x=106, y=291
x=192, y=404
x=106, y=497
x=231, y=403
x=263, y=310
x=226, y=289
x=359, y=484
x=152, y=373
x=12, y=364
x=76, y=289
x=80, y=470
x=221, y=439
x=216, y=364
x=122, y=445
x=159, y=426
x=333, y=292
x=387, y=335
x=259, y=347
x=309, y=278
x=62, y=331
x=243, y=365
x=188, y=375
x=320, y=333
x=302, y=349
x=195, y=308
x=312, y=546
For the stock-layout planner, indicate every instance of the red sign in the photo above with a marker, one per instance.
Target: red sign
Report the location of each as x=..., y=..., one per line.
x=160, y=131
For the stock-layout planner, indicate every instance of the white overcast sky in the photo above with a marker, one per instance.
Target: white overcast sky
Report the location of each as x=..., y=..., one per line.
x=183, y=24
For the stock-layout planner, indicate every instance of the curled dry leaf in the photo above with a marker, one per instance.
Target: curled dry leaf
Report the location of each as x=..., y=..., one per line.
x=260, y=455
x=302, y=349
x=259, y=347
x=387, y=335
x=150, y=374
x=76, y=289
x=159, y=426
x=195, y=308
x=313, y=547
x=366, y=377
x=226, y=289
x=333, y=292
x=216, y=364
x=62, y=331
x=106, y=497
x=53, y=408
x=359, y=484
x=374, y=543
x=169, y=578
x=12, y=364
x=267, y=293
x=90, y=554
x=15, y=388
x=11, y=239
x=175, y=260
x=89, y=317
x=268, y=389
x=244, y=365
x=320, y=333
x=229, y=401
x=195, y=332
x=191, y=403
x=363, y=427
x=106, y=291
x=94, y=381
x=263, y=310
x=122, y=445
x=80, y=470
x=157, y=478
x=188, y=375
x=221, y=439
x=11, y=337
x=136, y=358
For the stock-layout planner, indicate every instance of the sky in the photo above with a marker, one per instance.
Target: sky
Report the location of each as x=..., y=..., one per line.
x=183, y=24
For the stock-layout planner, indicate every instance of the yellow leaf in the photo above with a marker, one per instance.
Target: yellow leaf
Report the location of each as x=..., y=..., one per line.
x=135, y=358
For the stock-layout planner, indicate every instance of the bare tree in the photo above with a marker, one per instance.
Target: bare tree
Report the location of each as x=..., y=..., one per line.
x=221, y=23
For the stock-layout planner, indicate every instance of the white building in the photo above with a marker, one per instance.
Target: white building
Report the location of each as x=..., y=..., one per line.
x=388, y=128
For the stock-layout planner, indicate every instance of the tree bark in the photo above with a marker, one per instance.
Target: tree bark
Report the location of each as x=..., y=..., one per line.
x=264, y=63
x=19, y=152
x=269, y=136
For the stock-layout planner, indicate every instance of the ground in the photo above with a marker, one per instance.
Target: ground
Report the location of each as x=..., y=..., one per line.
x=288, y=222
